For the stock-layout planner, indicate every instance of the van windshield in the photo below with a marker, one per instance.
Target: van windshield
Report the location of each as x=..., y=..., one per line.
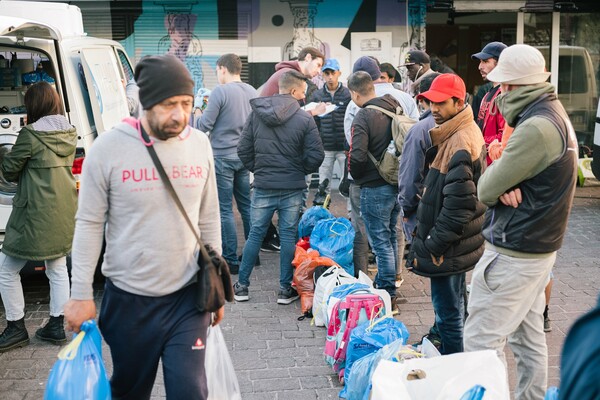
x=571, y=75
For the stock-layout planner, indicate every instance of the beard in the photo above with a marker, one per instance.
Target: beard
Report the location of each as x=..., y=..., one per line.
x=167, y=131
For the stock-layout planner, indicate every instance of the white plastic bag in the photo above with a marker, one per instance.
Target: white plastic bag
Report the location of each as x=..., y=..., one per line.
x=220, y=375
x=441, y=378
x=331, y=278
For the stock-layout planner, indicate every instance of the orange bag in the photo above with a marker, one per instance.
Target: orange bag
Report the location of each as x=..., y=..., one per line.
x=305, y=263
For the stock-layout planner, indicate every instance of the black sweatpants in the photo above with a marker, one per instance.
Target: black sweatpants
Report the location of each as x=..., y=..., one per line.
x=141, y=330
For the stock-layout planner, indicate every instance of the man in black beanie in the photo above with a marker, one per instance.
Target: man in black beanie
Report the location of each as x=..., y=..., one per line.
x=148, y=311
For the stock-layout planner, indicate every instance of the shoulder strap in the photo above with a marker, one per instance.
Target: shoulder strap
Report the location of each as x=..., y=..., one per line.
x=170, y=188
x=387, y=112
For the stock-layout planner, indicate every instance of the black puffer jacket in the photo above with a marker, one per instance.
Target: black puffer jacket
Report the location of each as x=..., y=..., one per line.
x=371, y=132
x=280, y=143
x=449, y=216
x=331, y=125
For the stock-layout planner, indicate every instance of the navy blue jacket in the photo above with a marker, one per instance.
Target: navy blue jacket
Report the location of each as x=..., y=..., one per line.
x=580, y=361
x=331, y=125
x=411, y=174
x=280, y=143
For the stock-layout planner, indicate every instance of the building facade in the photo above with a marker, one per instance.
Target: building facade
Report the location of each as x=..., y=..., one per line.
x=265, y=32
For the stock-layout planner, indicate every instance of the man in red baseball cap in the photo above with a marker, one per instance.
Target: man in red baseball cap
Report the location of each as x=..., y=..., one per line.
x=448, y=240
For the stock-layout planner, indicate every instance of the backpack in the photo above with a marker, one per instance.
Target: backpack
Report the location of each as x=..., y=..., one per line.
x=388, y=163
x=347, y=314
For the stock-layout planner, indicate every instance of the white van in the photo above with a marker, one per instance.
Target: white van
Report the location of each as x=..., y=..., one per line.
x=596, y=149
x=577, y=89
x=48, y=38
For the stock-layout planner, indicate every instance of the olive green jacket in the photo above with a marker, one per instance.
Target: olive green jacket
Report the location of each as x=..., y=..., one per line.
x=42, y=221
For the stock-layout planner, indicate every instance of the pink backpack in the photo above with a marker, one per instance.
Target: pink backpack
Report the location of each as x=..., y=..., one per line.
x=353, y=310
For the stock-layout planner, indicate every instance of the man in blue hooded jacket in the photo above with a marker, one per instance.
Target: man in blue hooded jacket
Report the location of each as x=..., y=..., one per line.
x=280, y=144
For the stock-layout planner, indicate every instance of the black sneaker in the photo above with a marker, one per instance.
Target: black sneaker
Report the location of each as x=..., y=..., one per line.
x=240, y=292
x=270, y=246
x=287, y=296
x=547, y=327
x=234, y=269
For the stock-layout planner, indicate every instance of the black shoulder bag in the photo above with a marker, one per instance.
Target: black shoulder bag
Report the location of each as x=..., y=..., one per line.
x=214, y=280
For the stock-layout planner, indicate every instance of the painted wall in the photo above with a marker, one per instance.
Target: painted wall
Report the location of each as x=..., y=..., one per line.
x=262, y=31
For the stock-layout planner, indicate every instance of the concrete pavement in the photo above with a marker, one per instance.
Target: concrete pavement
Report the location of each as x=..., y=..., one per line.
x=278, y=357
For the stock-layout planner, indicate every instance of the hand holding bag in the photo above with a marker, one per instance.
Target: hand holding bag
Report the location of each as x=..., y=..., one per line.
x=214, y=279
x=79, y=372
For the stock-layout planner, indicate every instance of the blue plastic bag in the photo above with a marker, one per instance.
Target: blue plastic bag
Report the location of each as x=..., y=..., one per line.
x=475, y=393
x=310, y=218
x=334, y=238
x=366, y=339
x=358, y=382
x=79, y=372
x=551, y=393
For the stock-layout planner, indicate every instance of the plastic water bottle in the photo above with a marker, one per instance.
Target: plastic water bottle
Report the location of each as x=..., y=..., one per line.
x=391, y=147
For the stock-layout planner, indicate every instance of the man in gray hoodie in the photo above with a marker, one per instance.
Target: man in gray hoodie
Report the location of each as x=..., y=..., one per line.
x=280, y=144
x=148, y=312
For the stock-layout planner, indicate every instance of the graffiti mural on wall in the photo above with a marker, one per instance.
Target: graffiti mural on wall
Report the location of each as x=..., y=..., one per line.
x=304, y=29
x=417, y=12
x=199, y=31
x=180, y=40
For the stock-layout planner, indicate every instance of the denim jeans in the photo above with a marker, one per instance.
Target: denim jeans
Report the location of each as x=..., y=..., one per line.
x=233, y=180
x=264, y=204
x=12, y=291
x=326, y=168
x=361, y=243
x=380, y=209
x=447, y=296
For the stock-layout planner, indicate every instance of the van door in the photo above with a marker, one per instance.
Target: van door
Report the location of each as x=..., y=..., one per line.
x=21, y=28
x=107, y=94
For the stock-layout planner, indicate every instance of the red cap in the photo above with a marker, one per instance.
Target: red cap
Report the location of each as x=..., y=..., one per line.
x=444, y=87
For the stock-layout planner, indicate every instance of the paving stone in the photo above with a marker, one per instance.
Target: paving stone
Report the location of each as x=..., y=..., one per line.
x=328, y=394
x=277, y=357
x=323, y=370
x=260, y=396
x=297, y=395
x=281, y=363
x=280, y=344
x=298, y=334
x=269, y=373
x=269, y=385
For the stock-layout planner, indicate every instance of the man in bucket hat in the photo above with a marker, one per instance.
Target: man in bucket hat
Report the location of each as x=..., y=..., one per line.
x=448, y=239
x=529, y=192
x=148, y=312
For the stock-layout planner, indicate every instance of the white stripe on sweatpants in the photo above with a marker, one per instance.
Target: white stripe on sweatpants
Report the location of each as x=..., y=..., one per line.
x=507, y=302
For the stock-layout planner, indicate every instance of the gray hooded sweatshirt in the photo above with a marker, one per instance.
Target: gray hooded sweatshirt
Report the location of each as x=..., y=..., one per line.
x=150, y=250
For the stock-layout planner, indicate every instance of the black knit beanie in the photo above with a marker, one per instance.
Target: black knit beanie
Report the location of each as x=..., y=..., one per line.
x=161, y=77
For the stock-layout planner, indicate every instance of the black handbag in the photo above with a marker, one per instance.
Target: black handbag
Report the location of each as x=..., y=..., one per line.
x=214, y=279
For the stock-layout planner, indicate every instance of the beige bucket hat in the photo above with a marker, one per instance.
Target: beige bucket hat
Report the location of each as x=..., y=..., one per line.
x=520, y=64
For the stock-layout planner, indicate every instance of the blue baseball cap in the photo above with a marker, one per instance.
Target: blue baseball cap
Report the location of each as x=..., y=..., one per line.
x=491, y=50
x=331, y=63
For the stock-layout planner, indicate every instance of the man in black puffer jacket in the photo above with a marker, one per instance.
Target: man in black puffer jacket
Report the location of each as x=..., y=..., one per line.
x=448, y=241
x=331, y=126
x=280, y=144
